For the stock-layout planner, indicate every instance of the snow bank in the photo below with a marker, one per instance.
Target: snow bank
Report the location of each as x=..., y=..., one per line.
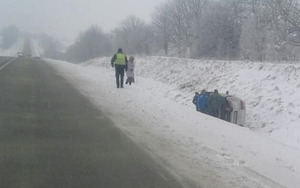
x=157, y=113
x=271, y=90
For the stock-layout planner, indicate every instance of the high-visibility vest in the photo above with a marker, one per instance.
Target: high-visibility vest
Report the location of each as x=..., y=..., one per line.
x=120, y=60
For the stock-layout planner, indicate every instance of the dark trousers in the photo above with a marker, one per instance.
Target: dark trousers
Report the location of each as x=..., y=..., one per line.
x=214, y=112
x=203, y=110
x=130, y=80
x=120, y=74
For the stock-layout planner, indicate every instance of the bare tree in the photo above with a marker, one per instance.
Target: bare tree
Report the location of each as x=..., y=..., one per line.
x=221, y=29
x=134, y=35
x=10, y=35
x=177, y=22
x=196, y=9
x=251, y=29
x=290, y=10
x=253, y=40
x=178, y=25
x=52, y=47
x=90, y=44
x=162, y=25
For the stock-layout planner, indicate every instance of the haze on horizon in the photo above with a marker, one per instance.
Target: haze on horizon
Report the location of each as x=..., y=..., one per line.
x=65, y=19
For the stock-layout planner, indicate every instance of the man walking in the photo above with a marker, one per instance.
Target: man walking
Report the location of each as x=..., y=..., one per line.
x=119, y=61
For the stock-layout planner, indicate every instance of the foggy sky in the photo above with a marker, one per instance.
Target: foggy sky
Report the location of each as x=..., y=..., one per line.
x=66, y=18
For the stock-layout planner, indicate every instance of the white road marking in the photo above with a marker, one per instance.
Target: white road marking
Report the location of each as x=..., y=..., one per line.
x=3, y=66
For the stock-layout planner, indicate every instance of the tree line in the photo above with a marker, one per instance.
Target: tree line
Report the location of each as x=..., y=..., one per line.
x=255, y=30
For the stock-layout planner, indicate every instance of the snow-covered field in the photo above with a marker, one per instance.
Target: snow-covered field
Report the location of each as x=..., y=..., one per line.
x=157, y=113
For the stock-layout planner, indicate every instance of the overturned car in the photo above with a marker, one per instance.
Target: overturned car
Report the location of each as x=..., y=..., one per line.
x=238, y=113
x=224, y=106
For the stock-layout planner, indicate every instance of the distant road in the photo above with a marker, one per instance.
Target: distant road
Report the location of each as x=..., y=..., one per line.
x=53, y=137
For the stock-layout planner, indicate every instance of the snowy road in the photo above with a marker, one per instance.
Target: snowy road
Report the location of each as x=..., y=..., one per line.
x=52, y=136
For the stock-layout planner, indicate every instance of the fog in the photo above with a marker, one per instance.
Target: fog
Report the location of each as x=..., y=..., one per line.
x=64, y=19
x=194, y=29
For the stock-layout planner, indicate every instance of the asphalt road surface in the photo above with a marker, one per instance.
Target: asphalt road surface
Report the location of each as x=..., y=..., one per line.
x=4, y=61
x=53, y=137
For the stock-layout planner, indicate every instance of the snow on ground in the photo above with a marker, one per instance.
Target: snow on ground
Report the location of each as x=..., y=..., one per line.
x=157, y=113
x=14, y=49
x=271, y=90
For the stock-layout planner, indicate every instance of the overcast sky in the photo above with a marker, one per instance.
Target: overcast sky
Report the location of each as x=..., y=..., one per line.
x=66, y=18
